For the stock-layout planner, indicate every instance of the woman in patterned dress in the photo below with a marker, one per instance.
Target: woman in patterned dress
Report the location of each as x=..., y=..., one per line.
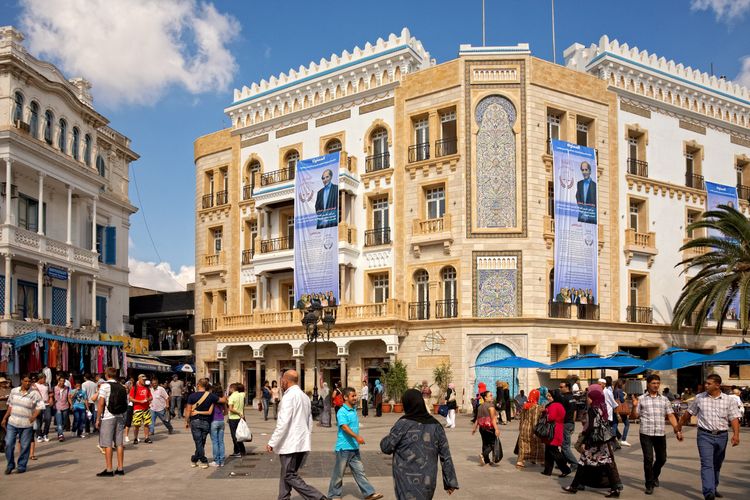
x=596, y=466
x=530, y=447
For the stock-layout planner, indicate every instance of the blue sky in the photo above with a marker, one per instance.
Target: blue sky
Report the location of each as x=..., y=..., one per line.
x=163, y=106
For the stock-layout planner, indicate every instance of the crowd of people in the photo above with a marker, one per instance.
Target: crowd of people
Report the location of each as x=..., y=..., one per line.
x=547, y=421
x=81, y=407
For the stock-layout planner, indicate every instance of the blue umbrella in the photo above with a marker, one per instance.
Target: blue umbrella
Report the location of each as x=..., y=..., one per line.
x=673, y=358
x=514, y=362
x=626, y=359
x=737, y=353
x=586, y=362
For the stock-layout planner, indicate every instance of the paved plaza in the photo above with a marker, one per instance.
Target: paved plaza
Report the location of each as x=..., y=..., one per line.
x=162, y=470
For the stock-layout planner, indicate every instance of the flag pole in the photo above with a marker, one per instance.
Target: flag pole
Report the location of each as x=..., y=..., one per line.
x=554, y=50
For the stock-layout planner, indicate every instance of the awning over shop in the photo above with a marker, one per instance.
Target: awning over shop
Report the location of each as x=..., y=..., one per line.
x=147, y=363
x=28, y=338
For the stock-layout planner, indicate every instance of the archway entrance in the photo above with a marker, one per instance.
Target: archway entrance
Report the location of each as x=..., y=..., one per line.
x=489, y=376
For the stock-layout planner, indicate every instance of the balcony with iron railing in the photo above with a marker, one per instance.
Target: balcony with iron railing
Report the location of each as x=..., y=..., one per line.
x=207, y=201
x=567, y=310
x=637, y=167
x=446, y=147
x=247, y=192
x=743, y=192
x=639, y=314
x=377, y=162
x=446, y=308
x=277, y=176
x=419, y=152
x=347, y=233
x=558, y=309
x=222, y=198
x=694, y=181
x=375, y=237
x=208, y=325
x=276, y=245
x=419, y=310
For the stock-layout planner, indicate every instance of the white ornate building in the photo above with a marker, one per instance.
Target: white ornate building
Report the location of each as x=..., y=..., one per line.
x=64, y=207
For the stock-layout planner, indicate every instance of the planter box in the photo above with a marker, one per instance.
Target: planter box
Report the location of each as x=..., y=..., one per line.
x=387, y=407
x=398, y=408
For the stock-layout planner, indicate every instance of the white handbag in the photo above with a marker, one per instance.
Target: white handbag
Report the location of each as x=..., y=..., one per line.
x=243, y=432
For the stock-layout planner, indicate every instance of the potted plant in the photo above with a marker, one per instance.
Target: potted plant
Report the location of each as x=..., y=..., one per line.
x=396, y=383
x=443, y=376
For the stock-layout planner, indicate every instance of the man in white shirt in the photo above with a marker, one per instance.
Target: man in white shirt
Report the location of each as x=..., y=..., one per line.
x=176, y=387
x=91, y=389
x=158, y=406
x=609, y=399
x=291, y=438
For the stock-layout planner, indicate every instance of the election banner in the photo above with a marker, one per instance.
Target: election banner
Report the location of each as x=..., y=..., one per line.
x=720, y=194
x=316, y=232
x=576, y=232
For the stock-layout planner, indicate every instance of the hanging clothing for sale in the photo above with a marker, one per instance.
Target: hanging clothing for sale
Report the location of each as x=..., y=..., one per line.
x=124, y=368
x=5, y=350
x=115, y=358
x=52, y=361
x=92, y=360
x=100, y=360
x=45, y=348
x=81, y=357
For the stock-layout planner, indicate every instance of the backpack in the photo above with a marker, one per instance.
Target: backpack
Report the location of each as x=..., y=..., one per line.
x=118, y=399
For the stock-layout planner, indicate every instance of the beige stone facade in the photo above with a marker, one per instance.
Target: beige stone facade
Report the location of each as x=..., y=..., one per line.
x=442, y=235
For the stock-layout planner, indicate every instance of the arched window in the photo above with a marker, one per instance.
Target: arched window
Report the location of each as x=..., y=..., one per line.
x=18, y=108
x=76, y=146
x=449, y=306
x=34, y=119
x=101, y=167
x=49, y=120
x=333, y=145
x=291, y=158
x=420, y=308
x=380, y=158
x=62, y=139
x=247, y=188
x=87, y=150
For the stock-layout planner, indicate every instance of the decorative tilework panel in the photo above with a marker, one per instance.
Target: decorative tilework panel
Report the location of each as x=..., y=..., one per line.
x=496, y=293
x=496, y=163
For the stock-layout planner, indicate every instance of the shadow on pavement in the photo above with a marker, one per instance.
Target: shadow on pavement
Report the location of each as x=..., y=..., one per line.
x=56, y=463
x=138, y=465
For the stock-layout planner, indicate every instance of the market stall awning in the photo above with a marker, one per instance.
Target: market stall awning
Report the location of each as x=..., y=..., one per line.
x=147, y=363
x=28, y=338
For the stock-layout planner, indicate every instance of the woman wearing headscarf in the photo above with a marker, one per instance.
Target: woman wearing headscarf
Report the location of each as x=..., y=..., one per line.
x=426, y=395
x=325, y=416
x=450, y=401
x=530, y=447
x=552, y=452
x=487, y=424
x=544, y=397
x=416, y=441
x=377, y=396
x=597, y=467
x=506, y=398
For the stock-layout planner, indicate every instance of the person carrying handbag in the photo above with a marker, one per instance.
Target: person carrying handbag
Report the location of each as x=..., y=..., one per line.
x=450, y=402
x=622, y=411
x=552, y=452
x=236, y=407
x=486, y=422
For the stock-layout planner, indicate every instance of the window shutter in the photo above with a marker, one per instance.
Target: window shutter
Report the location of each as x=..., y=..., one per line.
x=110, y=247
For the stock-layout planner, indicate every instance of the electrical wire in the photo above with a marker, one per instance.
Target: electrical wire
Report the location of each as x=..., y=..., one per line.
x=143, y=212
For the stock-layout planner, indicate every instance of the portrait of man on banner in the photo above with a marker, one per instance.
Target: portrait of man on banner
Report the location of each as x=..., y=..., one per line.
x=586, y=195
x=327, y=201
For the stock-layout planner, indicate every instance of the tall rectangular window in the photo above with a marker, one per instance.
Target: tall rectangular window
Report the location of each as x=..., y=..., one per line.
x=553, y=126
x=421, y=140
x=290, y=229
x=435, y=198
x=633, y=147
x=217, y=237
x=380, y=287
x=448, y=125
x=27, y=214
x=380, y=213
x=582, y=133
x=290, y=297
x=692, y=216
x=634, y=214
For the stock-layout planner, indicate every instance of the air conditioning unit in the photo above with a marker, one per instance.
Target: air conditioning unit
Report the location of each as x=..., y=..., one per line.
x=21, y=125
x=13, y=190
x=221, y=354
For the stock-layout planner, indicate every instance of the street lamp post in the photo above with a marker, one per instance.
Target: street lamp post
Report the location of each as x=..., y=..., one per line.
x=315, y=314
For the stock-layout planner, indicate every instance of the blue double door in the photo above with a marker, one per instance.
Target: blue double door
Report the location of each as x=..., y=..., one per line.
x=491, y=375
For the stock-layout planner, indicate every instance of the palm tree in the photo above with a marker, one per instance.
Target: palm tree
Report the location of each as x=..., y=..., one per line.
x=723, y=271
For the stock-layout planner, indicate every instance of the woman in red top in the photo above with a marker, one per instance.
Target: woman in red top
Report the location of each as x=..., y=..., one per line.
x=552, y=453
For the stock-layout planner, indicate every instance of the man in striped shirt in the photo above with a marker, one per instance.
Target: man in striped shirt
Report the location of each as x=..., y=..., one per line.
x=24, y=406
x=653, y=409
x=716, y=412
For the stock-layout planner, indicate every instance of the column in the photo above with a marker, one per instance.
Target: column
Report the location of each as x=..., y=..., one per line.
x=258, y=362
x=40, y=290
x=8, y=279
x=93, y=225
x=69, y=300
x=349, y=283
x=221, y=373
x=343, y=276
x=298, y=365
x=342, y=366
x=69, y=240
x=40, y=230
x=8, y=182
x=93, y=300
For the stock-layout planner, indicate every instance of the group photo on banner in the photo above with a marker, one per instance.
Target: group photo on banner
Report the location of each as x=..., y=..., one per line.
x=316, y=232
x=576, y=231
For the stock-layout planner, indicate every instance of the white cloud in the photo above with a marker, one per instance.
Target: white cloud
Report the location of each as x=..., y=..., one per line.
x=133, y=50
x=725, y=10
x=159, y=276
x=744, y=77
